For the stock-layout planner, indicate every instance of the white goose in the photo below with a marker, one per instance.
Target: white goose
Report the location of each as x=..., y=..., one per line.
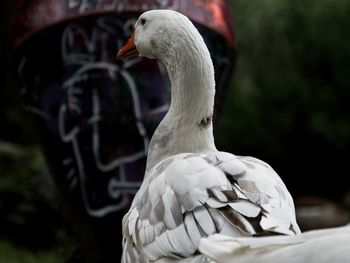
x=190, y=190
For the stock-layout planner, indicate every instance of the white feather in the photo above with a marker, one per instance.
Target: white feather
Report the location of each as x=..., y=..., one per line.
x=246, y=208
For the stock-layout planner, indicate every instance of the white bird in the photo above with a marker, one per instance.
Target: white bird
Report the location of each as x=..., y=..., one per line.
x=317, y=246
x=190, y=189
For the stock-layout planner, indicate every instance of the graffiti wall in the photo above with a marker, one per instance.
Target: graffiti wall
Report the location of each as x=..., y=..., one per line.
x=95, y=115
x=102, y=111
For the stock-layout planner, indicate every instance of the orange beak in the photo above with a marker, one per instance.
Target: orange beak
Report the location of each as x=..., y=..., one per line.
x=129, y=49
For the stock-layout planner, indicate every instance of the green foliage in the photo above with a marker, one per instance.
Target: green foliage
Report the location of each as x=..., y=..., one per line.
x=28, y=210
x=12, y=254
x=290, y=95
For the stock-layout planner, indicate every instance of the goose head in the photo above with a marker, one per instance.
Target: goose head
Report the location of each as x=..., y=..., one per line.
x=159, y=34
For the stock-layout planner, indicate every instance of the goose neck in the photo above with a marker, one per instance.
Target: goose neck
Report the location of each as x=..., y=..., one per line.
x=191, y=74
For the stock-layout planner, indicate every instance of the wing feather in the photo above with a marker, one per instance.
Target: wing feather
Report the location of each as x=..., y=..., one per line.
x=192, y=228
x=238, y=221
x=204, y=220
x=172, y=209
x=246, y=208
x=189, y=196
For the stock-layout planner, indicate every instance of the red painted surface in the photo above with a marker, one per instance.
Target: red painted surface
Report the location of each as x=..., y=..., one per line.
x=36, y=15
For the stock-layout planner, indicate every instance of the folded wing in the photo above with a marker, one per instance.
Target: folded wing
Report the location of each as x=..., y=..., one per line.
x=191, y=196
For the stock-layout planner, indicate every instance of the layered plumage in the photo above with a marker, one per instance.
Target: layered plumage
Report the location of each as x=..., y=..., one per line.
x=190, y=196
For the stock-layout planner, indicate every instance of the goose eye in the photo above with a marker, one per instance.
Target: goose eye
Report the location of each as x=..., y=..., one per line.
x=143, y=21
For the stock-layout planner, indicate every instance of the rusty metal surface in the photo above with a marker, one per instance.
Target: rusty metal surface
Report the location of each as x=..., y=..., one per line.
x=37, y=15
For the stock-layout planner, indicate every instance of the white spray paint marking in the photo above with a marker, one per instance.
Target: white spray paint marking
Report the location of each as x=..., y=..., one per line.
x=84, y=64
x=119, y=5
x=118, y=186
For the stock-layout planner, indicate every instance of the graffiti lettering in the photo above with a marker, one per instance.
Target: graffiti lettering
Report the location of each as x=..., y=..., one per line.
x=119, y=5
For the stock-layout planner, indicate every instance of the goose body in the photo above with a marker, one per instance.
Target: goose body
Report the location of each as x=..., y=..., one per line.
x=317, y=246
x=190, y=189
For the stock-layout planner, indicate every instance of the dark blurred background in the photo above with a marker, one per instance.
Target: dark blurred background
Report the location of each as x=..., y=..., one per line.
x=287, y=104
x=30, y=224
